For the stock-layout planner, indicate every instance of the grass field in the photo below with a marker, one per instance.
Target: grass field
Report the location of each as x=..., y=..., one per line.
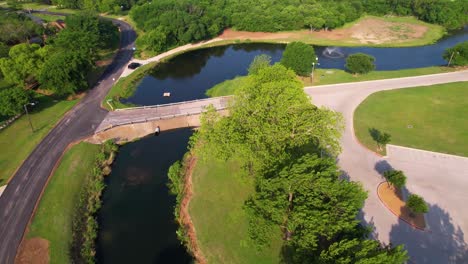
x=225, y=88
x=431, y=118
x=220, y=190
x=332, y=76
x=17, y=140
x=53, y=217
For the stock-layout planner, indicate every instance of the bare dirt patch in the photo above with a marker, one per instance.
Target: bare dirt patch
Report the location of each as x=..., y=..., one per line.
x=33, y=251
x=392, y=199
x=367, y=31
x=185, y=218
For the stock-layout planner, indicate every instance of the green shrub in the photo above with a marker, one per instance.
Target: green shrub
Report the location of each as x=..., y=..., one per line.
x=85, y=225
x=360, y=63
x=417, y=204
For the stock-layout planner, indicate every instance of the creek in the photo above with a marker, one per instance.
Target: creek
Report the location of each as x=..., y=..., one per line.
x=136, y=221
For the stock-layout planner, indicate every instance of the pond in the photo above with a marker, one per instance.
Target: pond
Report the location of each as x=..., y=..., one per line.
x=136, y=220
x=188, y=76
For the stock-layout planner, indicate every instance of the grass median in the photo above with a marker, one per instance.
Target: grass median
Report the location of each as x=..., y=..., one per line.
x=431, y=118
x=53, y=218
x=332, y=76
x=17, y=141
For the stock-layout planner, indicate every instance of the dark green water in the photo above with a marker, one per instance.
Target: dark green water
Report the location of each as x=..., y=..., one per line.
x=136, y=220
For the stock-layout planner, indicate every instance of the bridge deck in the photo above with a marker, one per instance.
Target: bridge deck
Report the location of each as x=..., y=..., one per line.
x=151, y=113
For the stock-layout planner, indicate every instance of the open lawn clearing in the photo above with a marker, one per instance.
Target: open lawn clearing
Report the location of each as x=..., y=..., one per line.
x=385, y=31
x=429, y=118
x=53, y=218
x=17, y=140
x=219, y=192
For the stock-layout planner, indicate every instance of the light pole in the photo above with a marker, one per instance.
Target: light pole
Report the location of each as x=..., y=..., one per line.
x=29, y=118
x=313, y=68
x=451, y=57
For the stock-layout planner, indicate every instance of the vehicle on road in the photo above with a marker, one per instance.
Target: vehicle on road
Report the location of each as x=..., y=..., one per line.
x=134, y=65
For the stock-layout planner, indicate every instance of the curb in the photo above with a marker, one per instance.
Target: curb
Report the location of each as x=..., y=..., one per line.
x=388, y=208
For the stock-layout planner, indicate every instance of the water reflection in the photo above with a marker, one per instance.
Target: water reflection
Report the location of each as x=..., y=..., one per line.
x=136, y=220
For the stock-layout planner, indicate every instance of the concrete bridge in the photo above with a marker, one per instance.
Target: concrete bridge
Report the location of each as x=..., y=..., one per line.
x=136, y=122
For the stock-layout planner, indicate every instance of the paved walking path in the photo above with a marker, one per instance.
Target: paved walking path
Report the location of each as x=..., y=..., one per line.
x=171, y=52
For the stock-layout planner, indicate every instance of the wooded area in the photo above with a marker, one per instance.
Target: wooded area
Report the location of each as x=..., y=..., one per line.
x=168, y=23
x=61, y=66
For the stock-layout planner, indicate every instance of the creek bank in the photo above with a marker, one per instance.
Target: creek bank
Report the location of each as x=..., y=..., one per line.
x=84, y=224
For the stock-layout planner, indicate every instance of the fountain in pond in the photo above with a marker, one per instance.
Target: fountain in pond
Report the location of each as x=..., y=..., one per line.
x=333, y=53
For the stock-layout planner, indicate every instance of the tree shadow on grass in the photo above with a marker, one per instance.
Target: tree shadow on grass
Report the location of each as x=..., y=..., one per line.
x=442, y=242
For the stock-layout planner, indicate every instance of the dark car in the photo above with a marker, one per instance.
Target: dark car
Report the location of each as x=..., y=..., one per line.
x=134, y=65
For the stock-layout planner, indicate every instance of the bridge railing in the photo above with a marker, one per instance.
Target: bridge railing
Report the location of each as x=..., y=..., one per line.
x=176, y=103
x=222, y=106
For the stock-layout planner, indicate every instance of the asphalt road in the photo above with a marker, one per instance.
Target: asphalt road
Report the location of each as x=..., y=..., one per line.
x=23, y=191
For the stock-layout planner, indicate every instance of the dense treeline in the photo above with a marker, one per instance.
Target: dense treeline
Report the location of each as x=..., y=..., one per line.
x=16, y=28
x=288, y=146
x=61, y=65
x=448, y=13
x=168, y=23
x=85, y=225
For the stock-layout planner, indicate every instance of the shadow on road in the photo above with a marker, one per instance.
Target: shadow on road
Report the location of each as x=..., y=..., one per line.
x=442, y=243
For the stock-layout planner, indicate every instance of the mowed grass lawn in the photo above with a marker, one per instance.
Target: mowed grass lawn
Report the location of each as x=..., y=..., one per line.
x=220, y=189
x=432, y=118
x=53, y=218
x=17, y=141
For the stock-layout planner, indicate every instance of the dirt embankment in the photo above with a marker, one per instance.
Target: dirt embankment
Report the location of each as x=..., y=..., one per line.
x=33, y=251
x=371, y=30
x=185, y=219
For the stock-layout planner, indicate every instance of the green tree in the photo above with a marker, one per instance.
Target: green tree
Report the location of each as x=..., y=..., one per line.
x=396, y=178
x=299, y=57
x=417, y=204
x=457, y=55
x=24, y=63
x=154, y=40
x=12, y=100
x=270, y=115
x=65, y=72
x=360, y=63
x=381, y=138
x=259, y=62
x=4, y=49
x=360, y=251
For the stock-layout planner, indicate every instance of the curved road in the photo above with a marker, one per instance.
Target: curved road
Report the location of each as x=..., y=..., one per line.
x=23, y=191
x=440, y=180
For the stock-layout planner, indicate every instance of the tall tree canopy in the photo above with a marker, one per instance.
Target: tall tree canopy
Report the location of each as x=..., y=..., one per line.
x=270, y=116
x=279, y=137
